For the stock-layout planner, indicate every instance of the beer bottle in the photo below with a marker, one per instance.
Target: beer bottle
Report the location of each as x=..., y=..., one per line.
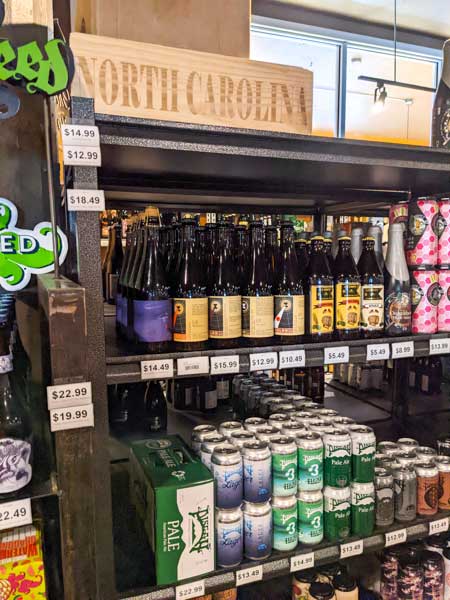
x=328, y=245
x=397, y=287
x=356, y=247
x=257, y=298
x=347, y=292
x=190, y=302
x=155, y=417
x=302, y=254
x=174, y=253
x=440, y=137
x=207, y=395
x=121, y=308
x=134, y=280
x=113, y=263
x=225, y=324
x=242, y=249
x=372, y=291
x=289, y=298
x=308, y=237
x=375, y=232
x=152, y=305
x=319, y=294
x=200, y=250
x=210, y=251
x=271, y=237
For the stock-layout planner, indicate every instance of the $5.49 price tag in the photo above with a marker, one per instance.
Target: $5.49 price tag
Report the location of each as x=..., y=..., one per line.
x=157, y=369
x=396, y=537
x=250, y=575
x=263, y=361
x=440, y=346
x=352, y=549
x=403, y=349
x=289, y=359
x=377, y=352
x=69, y=394
x=221, y=365
x=15, y=514
x=440, y=526
x=80, y=135
x=302, y=561
x=85, y=200
x=74, y=417
x=190, y=590
x=336, y=355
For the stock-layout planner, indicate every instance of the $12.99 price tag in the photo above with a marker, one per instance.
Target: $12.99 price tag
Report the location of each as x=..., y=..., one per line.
x=69, y=394
x=396, y=537
x=263, y=361
x=190, y=590
x=221, y=365
x=73, y=417
x=250, y=575
x=352, y=549
x=78, y=156
x=336, y=355
x=289, y=359
x=15, y=514
x=302, y=561
x=157, y=369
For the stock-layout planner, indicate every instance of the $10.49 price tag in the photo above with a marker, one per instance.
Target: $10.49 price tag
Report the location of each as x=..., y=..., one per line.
x=74, y=417
x=377, y=352
x=403, y=349
x=396, y=537
x=302, y=561
x=15, y=514
x=69, y=394
x=190, y=590
x=157, y=369
x=263, y=361
x=337, y=355
x=85, y=200
x=440, y=526
x=288, y=359
x=440, y=346
x=250, y=575
x=221, y=365
x=352, y=549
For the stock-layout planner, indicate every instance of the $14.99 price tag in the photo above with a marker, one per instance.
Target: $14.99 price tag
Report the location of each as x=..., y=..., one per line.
x=69, y=394
x=337, y=355
x=396, y=537
x=73, y=417
x=15, y=514
x=377, y=352
x=302, y=561
x=221, y=365
x=352, y=549
x=85, y=200
x=263, y=361
x=289, y=359
x=80, y=135
x=250, y=575
x=440, y=526
x=190, y=590
x=157, y=369
x=440, y=346
x=403, y=349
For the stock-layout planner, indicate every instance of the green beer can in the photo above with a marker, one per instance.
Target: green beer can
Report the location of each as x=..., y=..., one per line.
x=363, y=454
x=310, y=517
x=363, y=509
x=284, y=519
x=284, y=465
x=337, y=513
x=337, y=459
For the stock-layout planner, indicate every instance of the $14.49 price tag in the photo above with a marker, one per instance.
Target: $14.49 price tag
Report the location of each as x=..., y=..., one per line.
x=74, y=417
x=263, y=361
x=352, y=549
x=15, y=514
x=190, y=590
x=440, y=346
x=440, y=526
x=288, y=359
x=336, y=355
x=80, y=135
x=396, y=537
x=157, y=369
x=403, y=349
x=302, y=561
x=377, y=352
x=85, y=200
x=69, y=394
x=221, y=365
x=250, y=575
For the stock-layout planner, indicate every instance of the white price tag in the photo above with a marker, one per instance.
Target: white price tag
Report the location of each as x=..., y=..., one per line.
x=80, y=135
x=378, y=352
x=352, y=549
x=336, y=355
x=263, y=361
x=198, y=365
x=77, y=156
x=250, y=575
x=15, y=514
x=85, y=200
x=69, y=394
x=396, y=537
x=289, y=359
x=73, y=417
x=403, y=349
x=157, y=369
x=440, y=346
x=440, y=526
x=221, y=365
x=190, y=590
x=302, y=561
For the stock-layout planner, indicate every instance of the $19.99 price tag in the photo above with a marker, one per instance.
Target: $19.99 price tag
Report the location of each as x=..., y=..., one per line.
x=352, y=549
x=336, y=355
x=69, y=394
x=221, y=365
x=250, y=575
x=302, y=561
x=440, y=526
x=157, y=369
x=190, y=590
x=73, y=417
x=15, y=514
x=85, y=200
x=403, y=349
x=377, y=352
x=288, y=359
x=396, y=537
x=263, y=361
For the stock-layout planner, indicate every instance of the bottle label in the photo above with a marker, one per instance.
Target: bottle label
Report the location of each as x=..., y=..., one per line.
x=257, y=316
x=398, y=312
x=190, y=319
x=225, y=320
x=152, y=320
x=6, y=363
x=14, y=464
x=372, y=307
x=289, y=315
x=111, y=286
x=211, y=400
x=348, y=305
x=321, y=308
x=223, y=389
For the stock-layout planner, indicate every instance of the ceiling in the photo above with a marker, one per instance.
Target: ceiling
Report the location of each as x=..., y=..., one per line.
x=432, y=16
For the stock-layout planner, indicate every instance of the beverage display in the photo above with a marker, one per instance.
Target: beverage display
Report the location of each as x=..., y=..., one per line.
x=320, y=294
x=257, y=530
x=347, y=292
x=229, y=537
x=425, y=298
x=384, y=497
x=310, y=517
x=284, y=520
x=405, y=494
x=363, y=454
x=427, y=488
x=257, y=462
x=310, y=461
x=440, y=136
x=372, y=291
x=337, y=459
x=397, y=305
x=363, y=508
x=337, y=513
x=422, y=232
x=284, y=466
x=226, y=463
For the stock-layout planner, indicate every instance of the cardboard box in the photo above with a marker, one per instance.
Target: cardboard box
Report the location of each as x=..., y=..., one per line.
x=174, y=495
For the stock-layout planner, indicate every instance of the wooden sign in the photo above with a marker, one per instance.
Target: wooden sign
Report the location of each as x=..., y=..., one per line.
x=134, y=79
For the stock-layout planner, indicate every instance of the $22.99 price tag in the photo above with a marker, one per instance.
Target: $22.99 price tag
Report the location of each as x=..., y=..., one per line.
x=250, y=575
x=336, y=355
x=289, y=359
x=440, y=526
x=73, y=417
x=302, y=561
x=221, y=365
x=15, y=514
x=157, y=369
x=396, y=537
x=69, y=394
x=263, y=361
x=352, y=549
x=190, y=590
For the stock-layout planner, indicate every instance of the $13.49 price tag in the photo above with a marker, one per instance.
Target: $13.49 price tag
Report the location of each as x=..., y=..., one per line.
x=250, y=575
x=403, y=349
x=396, y=537
x=352, y=549
x=221, y=365
x=336, y=355
x=78, y=156
x=15, y=514
x=263, y=361
x=69, y=394
x=85, y=200
x=74, y=417
x=440, y=526
x=302, y=561
x=440, y=346
x=190, y=590
x=157, y=369
x=377, y=352
x=288, y=359
x=80, y=135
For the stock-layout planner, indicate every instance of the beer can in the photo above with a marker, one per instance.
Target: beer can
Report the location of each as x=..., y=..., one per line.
x=238, y=438
x=421, y=237
x=310, y=461
x=437, y=543
x=446, y=556
x=284, y=466
x=410, y=578
x=433, y=575
x=264, y=404
x=425, y=298
x=229, y=537
x=226, y=463
x=208, y=445
x=444, y=304
x=443, y=445
x=337, y=459
x=252, y=423
x=406, y=459
x=266, y=433
x=443, y=232
x=363, y=454
x=248, y=402
x=337, y=513
x=405, y=494
x=293, y=429
x=257, y=530
x=286, y=408
x=284, y=519
x=228, y=427
x=427, y=489
x=363, y=508
x=301, y=583
x=257, y=461
x=384, y=497
x=321, y=591
x=198, y=435
x=342, y=423
x=312, y=406
x=407, y=444
x=236, y=387
x=426, y=454
x=274, y=403
x=278, y=420
x=388, y=448
x=323, y=429
x=310, y=517
x=327, y=412
x=443, y=465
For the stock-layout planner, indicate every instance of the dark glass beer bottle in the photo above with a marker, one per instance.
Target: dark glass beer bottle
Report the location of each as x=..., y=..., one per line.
x=347, y=292
x=242, y=249
x=319, y=294
x=302, y=254
x=328, y=245
x=289, y=298
x=440, y=137
x=155, y=415
x=134, y=281
x=372, y=291
x=121, y=308
x=397, y=286
x=113, y=263
x=271, y=239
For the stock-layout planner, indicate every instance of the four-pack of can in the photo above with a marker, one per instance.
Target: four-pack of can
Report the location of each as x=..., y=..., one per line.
x=337, y=459
x=426, y=295
x=363, y=454
x=284, y=523
x=257, y=462
x=227, y=469
x=337, y=513
x=427, y=488
x=310, y=461
x=310, y=517
x=284, y=466
x=433, y=575
x=443, y=257
x=422, y=232
x=405, y=494
x=229, y=537
x=444, y=303
x=257, y=530
x=363, y=508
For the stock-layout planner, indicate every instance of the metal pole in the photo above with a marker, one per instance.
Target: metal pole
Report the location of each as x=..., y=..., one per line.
x=51, y=188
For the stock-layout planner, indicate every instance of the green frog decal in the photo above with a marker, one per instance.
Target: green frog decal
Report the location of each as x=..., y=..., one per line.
x=24, y=252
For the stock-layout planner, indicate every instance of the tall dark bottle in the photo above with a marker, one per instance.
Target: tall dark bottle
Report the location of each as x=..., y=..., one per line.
x=328, y=245
x=113, y=264
x=152, y=304
x=302, y=254
x=271, y=239
x=190, y=302
x=155, y=413
x=225, y=324
x=289, y=298
x=372, y=291
x=347, y=292
x=440, y=137
x=320, y=294
x=397, y=287
x=257, y=298
x=122, y=287
x=241, y=253
x=134, y=281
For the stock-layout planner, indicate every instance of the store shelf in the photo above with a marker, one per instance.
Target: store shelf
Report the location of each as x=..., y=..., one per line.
x=35, y=491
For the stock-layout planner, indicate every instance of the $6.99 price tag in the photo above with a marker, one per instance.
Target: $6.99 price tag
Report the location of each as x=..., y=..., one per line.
x=190, y=590
x=352, y=549
x=250, y=575
x=396, y=537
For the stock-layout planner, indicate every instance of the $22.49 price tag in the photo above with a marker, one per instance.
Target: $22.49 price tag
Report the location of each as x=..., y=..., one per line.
x=302, y=561
x=440, y=526
x=336, y=355
x=157, y=369
x=377, y=352
x=190, y=590
x=395, y=537
x=69, y=394
x=73, y=417
x=263, y=361
x=85, y=200
x=250, y=575
x=352, y=549
x=403, y=349
x=15, y=514
x=289, y=359
x=221, y=365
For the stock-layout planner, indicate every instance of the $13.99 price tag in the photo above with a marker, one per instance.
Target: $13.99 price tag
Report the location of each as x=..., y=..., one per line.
x=289, y=359
x=69, y=394
x=403, y=349
x=250, y=575
x=15, y=514
x=80, y=135
x=440, y=526
x=352, y=549
x=73, y=417
x=263, y=361
x=157, y=369
x=336, y=355
x=377, y=352
x=302, y=561
x=221, y=365
x=396, y=537
x=85, y=200
x=440, y=346
x=190, y=590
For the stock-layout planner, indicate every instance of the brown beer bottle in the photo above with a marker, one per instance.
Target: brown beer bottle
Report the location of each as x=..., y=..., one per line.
x=347, y=292
x=372, y=291
x=319, y=294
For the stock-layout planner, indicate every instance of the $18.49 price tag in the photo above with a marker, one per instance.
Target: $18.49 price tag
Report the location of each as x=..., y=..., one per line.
x=73, y=417
x=396, y=537
x=263, y=361
x=157, y=369
x=85, y=200
x=337, y=355
x=377, y=352
x=250, y=575
x=190, y=590
x=68, y=394
x=80, y=135
x=302, y=561
x=352, y=549
x=221, y=365
x=440, y=346
x=440, y=526
x=288, y=359
x=403, y=349
x=15, y=514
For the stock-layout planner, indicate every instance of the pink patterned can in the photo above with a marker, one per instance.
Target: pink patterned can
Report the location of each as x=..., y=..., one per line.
x=425, y=297
x=444, y=304
x=443, y=232
x=422, y=239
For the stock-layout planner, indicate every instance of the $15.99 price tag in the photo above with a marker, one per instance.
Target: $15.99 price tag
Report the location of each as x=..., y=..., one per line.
x=302, y=561
x=396, y=537
x=263, y=361
x=250, y=575
x=73, y=417
x=288, y=359
x=69, y=394
x=15, y=514
x=221, y=365
x=337, y=355
x=352, y=549
x=190, y=590
x=440, y=526
x=157, y=369
x=85, y=200
x=403, y=349
x=377, y=352
x=440, y=346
